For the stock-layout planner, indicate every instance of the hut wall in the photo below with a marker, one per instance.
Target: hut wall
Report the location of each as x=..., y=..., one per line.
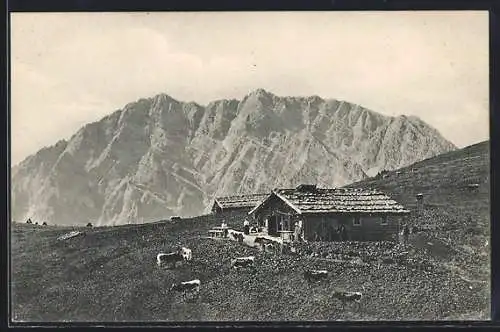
x=371, y=228
x=233, y=217
x=320, y=227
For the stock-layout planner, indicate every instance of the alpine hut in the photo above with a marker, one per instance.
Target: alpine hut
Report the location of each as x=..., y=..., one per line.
x=330, y=214
x=236, y=204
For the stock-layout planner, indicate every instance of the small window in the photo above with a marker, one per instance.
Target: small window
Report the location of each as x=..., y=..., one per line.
x=383, y=220
x=356, y=221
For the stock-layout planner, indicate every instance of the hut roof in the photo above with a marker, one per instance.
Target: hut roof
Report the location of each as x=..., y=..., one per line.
x=240, y=201
x=338, y=200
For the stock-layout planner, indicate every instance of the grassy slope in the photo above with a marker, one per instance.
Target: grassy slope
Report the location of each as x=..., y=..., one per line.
x=455, y=219
x=110, y=273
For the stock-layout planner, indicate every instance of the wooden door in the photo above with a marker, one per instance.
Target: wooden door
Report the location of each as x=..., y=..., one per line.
x=273, y=226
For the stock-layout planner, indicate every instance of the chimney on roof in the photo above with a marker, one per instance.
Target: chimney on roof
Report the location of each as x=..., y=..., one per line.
x=306, y=188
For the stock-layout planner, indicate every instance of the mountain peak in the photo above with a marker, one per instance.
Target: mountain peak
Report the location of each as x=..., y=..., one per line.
x=163, y=97
x=160, y=157
x=260, y=92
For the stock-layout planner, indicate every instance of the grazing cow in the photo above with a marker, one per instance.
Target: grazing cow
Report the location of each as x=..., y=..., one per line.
x=238, y=236
x=186, y=286
x=44, y=223
x=270, y=247
x=186, y=253
x=259, y=241
x=345, y=297
x=315, y=275
x=243, y=262
x=183, y=254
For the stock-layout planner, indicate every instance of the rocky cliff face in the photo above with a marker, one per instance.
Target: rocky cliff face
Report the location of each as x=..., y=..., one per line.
x=159, y=157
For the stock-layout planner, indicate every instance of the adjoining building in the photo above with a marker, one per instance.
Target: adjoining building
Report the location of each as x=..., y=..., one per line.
x=236, y=204
x=365, y=214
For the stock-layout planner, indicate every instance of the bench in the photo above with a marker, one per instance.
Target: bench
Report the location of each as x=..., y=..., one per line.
x=286, y=236
x=216, y=233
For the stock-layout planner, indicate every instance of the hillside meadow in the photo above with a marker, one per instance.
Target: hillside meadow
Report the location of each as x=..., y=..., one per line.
x=110, y=273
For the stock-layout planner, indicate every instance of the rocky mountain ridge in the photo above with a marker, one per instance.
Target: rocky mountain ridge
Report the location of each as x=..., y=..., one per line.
x=159, y=157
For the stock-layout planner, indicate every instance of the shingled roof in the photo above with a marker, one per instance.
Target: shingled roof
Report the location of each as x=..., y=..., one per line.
x=240, y=201
x=306, y=200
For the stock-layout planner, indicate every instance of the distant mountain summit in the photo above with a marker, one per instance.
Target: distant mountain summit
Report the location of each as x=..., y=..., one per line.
x=159, y=157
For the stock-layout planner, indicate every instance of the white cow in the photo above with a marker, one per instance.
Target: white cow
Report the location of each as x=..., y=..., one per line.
x=183, y=254
x=186, y=286
x=243, y=262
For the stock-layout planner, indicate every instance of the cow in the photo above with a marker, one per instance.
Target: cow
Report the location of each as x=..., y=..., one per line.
x=186, y=286
x=183, y=254
x=186, y=253
x=243, y=262
x=238, y=236
x=288, y=249
x=315, y=275
x=270, y=247
x=345, y=297
x=261, y=240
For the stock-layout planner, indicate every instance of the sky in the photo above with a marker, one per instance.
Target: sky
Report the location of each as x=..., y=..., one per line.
x=69, y=69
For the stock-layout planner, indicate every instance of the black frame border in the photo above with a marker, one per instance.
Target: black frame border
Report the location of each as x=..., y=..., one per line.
x=493, y=6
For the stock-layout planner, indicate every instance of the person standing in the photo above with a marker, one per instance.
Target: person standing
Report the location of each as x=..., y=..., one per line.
x=406, y=233
x=224, y=228
x=246, y=227
x=342, y=233
x=336, y=234
x=296, y=231
x=299, y=231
